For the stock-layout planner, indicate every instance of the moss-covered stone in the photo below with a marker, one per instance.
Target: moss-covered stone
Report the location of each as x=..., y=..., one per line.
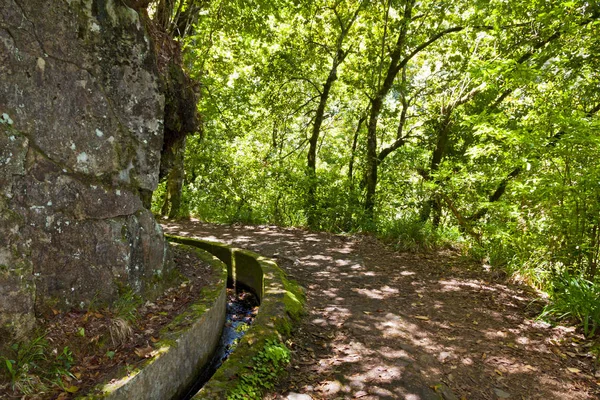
x=281, y=306
x=80, y=144
x=259, y=358
x=185, y=347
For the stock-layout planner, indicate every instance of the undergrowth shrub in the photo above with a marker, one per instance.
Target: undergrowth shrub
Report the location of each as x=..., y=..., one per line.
x=411, y=234
x=30, y=367
x=576, y=298
x=127, y=304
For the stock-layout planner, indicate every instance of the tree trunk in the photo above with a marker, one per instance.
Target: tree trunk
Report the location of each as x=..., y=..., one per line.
x=433, y=205
x=593, y=252
x=314, y=141
x=376, y=105
x=353, y=150
x=164, y=210
x=173, y=190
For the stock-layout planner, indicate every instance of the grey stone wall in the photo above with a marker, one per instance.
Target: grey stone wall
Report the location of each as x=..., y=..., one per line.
x=80, y=139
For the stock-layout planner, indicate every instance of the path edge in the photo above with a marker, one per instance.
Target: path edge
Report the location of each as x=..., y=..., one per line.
x=261, y=356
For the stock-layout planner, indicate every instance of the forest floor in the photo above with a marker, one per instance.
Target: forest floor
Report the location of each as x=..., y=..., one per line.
x=82, y=349
x=388, y=325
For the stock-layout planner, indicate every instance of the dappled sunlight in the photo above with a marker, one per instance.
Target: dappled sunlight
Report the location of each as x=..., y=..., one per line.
x=311, y=238
x=523, y=340
x=378, y=294
x=343, y=250
x=495, y=334
x=368, y=273
x=457, y=285
x=364, y=326
x=384, y=373
x=330, y=293
x=394, y=354
x=346, y=263
x=332, y=315
x=319, y=257
x=348, y=353
x=395, y=326
x=410, y=396
x=438, y=305
x=391, y=326
x=320, y=321
x=325, y=273
x=241, y=240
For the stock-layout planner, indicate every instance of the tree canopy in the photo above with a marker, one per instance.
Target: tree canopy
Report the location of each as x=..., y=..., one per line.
x=429, y=122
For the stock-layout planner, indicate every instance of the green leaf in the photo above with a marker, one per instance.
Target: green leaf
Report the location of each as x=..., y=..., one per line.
x=9, y=366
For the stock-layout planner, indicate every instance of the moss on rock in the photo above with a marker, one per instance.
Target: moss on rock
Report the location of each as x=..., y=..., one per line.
x=185, y=347
x=261, y=355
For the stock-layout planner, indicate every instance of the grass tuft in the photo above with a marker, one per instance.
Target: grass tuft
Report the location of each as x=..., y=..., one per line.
x=575, y=298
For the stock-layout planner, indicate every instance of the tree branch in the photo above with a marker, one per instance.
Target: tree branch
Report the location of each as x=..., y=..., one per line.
x=301, y=78
x=462, y=222
x=594, y=110
x=494, y=197
x=426, y=44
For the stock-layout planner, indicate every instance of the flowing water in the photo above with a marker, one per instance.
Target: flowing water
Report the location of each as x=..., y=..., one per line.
x=242, y=307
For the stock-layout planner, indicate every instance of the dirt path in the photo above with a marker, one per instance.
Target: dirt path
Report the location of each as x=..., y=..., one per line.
x=387, y=325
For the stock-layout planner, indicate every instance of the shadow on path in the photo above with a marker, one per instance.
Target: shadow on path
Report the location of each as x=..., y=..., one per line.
x=387, y=325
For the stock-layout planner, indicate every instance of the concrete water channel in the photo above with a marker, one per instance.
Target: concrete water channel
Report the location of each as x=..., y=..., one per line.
x=242, y=307
x=183, y=358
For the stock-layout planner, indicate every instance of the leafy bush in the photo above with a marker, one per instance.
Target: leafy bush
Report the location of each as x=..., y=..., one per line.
x=411, y=234
x=573, y=297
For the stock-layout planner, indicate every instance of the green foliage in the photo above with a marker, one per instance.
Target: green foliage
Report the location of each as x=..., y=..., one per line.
x=409, y=233
x=31, y=366
x=158, y=197
x=60, y=367
x=486, y=139
x=267, y=366
x=23, y=362
x=126, y=306
x=573, y=297
x=66, y=358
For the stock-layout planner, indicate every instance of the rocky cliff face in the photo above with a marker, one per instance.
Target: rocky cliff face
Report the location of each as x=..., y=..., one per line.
x=80, y=139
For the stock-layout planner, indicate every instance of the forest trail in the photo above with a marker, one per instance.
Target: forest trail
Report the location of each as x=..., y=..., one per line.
x=389, y=325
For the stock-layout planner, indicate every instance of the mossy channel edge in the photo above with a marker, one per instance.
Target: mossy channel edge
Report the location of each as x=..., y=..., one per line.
x=261, y=355
x=258, y=360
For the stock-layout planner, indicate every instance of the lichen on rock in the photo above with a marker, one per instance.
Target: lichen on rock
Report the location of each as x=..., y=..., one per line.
x=79, y=81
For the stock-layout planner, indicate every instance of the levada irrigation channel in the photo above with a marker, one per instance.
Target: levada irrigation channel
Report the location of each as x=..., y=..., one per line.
x=242, y=306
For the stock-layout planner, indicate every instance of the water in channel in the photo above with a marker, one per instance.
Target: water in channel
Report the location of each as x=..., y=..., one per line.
x=242, y=306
